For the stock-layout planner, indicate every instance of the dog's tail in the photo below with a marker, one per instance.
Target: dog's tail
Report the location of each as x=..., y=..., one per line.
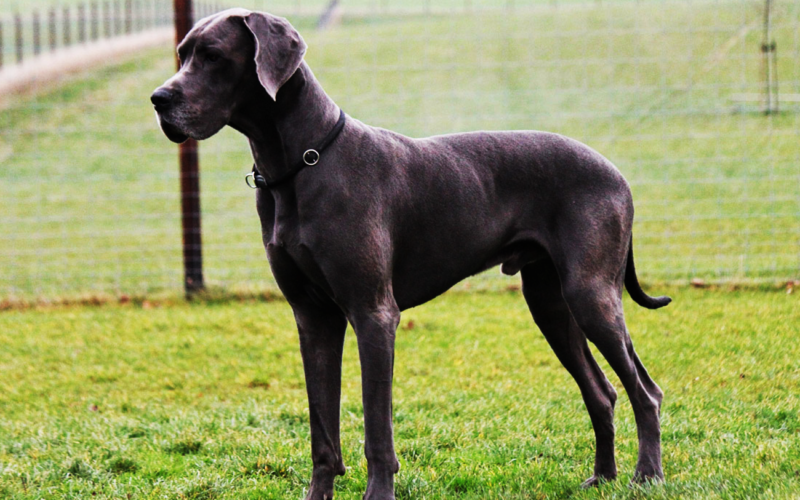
x=635, y=290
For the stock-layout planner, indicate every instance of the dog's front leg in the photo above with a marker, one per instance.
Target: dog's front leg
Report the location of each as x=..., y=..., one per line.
x=375, y=330
x=321, y=344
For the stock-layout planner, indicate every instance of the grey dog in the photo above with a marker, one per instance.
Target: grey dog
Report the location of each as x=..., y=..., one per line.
x=382, y=222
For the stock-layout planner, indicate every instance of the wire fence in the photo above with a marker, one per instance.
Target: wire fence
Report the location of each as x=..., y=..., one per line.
x=27, y=33
x=697, y=103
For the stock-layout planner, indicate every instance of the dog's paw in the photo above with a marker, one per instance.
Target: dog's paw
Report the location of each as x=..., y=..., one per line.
x=317, y=493
x=644, y=478
x=321, y=496
x=596, y=480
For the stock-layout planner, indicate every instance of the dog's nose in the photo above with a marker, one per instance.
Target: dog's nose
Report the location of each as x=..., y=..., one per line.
x=161, y=97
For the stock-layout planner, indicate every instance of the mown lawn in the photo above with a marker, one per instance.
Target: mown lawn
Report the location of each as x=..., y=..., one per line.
x=207, y=401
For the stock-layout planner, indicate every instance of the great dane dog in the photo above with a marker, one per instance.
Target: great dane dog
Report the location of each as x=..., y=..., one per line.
x=373, y=223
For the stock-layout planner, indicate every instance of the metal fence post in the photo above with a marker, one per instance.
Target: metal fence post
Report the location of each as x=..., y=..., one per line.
x=67, y=27
x=769, y=62
x=18, y=37
x=190, y=180
x=118, y=17
x=51, y=27
x=94, y=21
x=81, y=23
x=128, y=17
x=107, y=19
x=37, y=34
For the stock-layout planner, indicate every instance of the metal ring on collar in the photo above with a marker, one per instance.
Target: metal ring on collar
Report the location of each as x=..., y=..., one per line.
x=251, y=175
x=310, y=157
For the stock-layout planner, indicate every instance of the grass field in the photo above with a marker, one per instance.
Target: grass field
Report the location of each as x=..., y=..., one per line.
x=207, y=401
x=89, y=187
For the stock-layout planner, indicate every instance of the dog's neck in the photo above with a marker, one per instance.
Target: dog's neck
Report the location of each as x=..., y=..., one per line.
x=281, y=131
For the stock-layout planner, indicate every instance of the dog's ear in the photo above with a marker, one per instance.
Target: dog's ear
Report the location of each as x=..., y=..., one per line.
x=279, y=49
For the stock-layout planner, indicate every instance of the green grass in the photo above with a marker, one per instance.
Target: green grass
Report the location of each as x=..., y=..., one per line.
x=208, y=401
x=89, y=186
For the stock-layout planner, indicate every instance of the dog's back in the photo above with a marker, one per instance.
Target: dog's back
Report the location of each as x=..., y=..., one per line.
x=461, y=203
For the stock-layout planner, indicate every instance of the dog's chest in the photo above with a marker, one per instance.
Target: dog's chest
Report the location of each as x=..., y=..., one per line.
x=287, y=240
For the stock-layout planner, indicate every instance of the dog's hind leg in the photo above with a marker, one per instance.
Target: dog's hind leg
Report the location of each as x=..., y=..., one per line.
x=542, y=290
x=596, y=304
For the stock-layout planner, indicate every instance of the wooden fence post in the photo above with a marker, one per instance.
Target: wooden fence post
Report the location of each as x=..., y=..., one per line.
x=190, y=180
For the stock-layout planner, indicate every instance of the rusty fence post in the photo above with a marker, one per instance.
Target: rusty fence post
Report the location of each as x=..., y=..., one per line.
x=190, y=180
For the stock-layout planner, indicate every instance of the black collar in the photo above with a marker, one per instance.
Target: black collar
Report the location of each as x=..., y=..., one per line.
x=310, y=157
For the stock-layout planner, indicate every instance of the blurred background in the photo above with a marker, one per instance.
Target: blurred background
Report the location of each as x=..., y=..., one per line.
x=695, y=101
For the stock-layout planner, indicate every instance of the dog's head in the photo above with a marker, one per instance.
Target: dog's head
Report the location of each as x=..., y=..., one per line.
x=224, y=59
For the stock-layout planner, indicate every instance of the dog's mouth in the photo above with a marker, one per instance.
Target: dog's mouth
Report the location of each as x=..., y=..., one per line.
x=171, y=131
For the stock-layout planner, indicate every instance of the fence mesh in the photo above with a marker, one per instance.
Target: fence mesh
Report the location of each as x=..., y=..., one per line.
x=674, y=93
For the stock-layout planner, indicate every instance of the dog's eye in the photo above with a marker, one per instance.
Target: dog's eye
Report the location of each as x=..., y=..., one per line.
x=212, y=57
